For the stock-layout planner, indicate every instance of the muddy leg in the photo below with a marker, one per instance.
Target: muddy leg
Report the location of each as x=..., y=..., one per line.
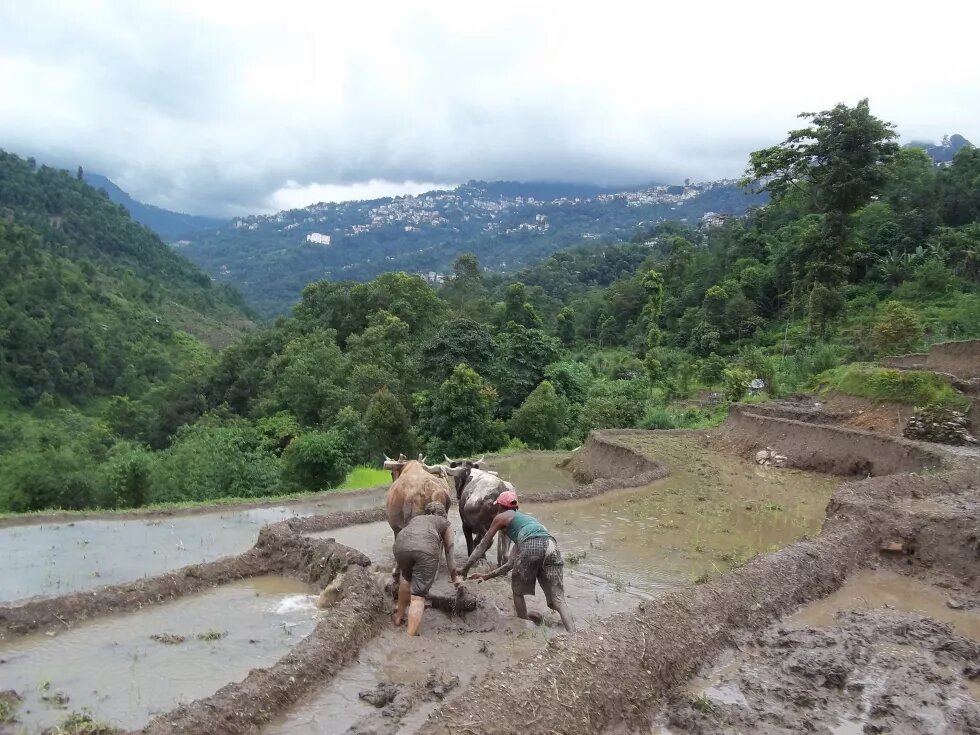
x=556, y=601
x=468, y=535
x=520, y=607
x=415, y=610
x=404, y=597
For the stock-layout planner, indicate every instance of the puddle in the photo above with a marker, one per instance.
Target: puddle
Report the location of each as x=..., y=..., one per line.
x=57, y=558
x=867, y=590
x=112, y=667
x=713, y=512
x=533, y=473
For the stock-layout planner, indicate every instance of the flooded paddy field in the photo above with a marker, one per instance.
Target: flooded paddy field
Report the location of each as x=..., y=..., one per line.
x=128, y=668
x=48, y=559
x=885, y=653
x=713, y=512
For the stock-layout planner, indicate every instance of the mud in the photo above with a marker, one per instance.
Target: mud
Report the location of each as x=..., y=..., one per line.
x=125, y=669
x=883, y=654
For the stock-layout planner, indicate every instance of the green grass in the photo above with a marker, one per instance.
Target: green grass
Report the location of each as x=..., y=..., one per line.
x=362, y=477
x=381, y=478
x=911, y=387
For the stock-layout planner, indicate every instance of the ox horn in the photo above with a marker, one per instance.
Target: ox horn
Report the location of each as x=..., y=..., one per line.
x=434, y=469
x=422, y=458
x=392, y=464
x=480, y=460
x=388, y=459
x=446, y=457
x=402, y=458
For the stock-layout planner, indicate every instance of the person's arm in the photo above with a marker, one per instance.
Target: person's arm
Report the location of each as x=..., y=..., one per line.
x=499, y=522
x=447, y=543
x=502, y=569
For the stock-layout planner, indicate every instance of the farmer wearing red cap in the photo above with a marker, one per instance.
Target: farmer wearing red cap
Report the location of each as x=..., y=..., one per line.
x=534, y=558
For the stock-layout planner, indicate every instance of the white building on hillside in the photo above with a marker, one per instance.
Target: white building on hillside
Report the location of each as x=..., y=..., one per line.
x=317, y=239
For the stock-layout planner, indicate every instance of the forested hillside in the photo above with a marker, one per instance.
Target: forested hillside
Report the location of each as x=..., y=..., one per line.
x=165, y=223
x=505, y=224
x=865, y=249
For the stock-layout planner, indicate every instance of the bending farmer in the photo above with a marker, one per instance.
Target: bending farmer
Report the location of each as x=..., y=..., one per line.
x=535, y=557
x=417, y=555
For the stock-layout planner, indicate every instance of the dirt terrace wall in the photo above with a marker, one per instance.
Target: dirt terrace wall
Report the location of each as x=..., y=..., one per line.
x=603, y=457
x=243, y=706
x=960, y=359
x=831, y=449
x=592, y=680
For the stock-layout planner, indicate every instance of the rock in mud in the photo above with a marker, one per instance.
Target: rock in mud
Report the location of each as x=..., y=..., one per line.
x=437, y=687
x=769, y=457
x=381, y=696
x=168, y=639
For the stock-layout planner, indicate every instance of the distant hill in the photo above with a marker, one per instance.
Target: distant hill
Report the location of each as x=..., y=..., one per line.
x=91, y=302
x=168, y=225
x=508, y=225
x=947, y=148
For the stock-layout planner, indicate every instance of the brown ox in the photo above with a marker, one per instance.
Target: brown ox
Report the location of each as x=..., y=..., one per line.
x=414, y=486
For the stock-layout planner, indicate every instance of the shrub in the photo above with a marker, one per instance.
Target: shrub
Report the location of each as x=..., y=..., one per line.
x=737, y=382
x=657, y=417
x=898, y=329
x=711, y=369
x=542, y=419
x=315, y=461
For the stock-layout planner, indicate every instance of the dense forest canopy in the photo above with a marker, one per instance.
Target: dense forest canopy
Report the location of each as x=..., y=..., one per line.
x=864, y=249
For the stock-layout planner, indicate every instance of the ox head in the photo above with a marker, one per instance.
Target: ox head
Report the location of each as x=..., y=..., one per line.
x=397, y=466
x=460, y=469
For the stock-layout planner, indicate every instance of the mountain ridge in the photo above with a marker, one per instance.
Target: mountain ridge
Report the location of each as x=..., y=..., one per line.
x=271, y=258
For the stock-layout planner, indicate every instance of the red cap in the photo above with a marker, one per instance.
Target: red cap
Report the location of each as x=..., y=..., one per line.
x=507, y=499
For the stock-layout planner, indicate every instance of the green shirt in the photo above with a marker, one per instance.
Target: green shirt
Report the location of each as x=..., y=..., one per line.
x=524, y=526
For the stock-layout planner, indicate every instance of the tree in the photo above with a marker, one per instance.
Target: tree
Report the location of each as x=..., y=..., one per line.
x=315, y=460
x=653, y=284
x=565, y=326
x=458, y=419
x=897, y=329
x=79, y=174
x=461, y=340
x=542, y=419
x=389, y=430
x=712, y=368
x=523, y=356
x=839, y=162
x=466, y=291
x=518, y=310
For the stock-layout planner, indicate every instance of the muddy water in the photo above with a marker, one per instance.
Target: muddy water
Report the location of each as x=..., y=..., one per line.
x=533, y=473
x=713, y=512
x=114, y=668
x=868, y=590
x=56, y=558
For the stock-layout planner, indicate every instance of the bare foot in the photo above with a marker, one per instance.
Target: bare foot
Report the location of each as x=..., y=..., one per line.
x=396, y=619
x=535, y=617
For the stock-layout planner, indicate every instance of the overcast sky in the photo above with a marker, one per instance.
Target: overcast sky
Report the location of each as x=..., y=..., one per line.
x=226, y=108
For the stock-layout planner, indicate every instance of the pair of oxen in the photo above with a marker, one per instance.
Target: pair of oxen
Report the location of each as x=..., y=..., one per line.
x=415, y=484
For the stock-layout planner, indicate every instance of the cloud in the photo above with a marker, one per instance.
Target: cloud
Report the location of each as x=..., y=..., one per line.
x=228, y=108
